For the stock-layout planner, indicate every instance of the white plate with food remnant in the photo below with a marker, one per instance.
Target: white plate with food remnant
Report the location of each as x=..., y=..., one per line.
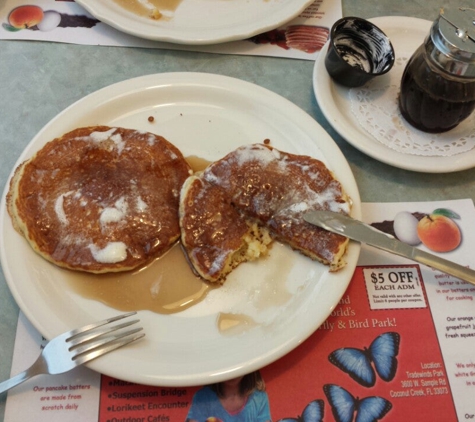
x=194, y=21
x=272, y=304
x=406, y=35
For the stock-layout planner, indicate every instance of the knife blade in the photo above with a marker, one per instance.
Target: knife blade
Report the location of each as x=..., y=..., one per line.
x=361, y=232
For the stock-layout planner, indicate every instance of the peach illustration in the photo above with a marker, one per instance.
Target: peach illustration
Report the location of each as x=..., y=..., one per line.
x=439, y=233
x=25, y=16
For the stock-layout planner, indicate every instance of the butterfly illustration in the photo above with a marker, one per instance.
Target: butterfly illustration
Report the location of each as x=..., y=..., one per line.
x=344, y=405
x=313, y=412
x=357, y=363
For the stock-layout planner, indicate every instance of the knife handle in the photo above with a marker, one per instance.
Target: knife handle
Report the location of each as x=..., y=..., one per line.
x=448, y=267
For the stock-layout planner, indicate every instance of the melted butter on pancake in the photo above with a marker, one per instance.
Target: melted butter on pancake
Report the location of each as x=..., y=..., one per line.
x=112, y=253
x=116, y=213
x=59, y=209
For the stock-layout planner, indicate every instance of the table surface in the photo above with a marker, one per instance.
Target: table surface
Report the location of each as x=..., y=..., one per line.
x=40, y=79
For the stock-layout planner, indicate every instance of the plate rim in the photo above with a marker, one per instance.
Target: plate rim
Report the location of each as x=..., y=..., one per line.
x=323, y=86
x=141, y=29
x=134, y=85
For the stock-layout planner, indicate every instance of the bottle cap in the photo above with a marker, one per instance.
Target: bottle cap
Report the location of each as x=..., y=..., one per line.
x=453, y=35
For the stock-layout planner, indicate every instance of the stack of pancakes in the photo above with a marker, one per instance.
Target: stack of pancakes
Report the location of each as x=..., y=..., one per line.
x=102, y=199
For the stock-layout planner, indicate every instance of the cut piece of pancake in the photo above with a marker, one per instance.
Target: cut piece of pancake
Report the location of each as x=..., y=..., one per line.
x=259, y=186
x=215, y=236
x=100, y=199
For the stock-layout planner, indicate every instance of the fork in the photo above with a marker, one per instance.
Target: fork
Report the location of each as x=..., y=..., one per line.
x=78, y=346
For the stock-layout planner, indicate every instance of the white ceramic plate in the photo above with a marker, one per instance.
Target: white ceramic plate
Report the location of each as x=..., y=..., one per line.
x=206, y=116
x=406, y=34
x=201, y=21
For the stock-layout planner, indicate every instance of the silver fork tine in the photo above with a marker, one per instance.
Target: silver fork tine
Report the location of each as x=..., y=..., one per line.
x=90, y=327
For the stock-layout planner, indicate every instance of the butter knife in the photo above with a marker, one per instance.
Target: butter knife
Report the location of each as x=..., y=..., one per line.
x=361, y=232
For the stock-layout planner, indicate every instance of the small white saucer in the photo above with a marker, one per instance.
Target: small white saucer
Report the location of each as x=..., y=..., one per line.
x=406, y=34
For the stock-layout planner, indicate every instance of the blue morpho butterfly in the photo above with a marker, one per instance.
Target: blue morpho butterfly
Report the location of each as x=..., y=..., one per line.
x=344, y=405
x=313, y=412
x=357, y=363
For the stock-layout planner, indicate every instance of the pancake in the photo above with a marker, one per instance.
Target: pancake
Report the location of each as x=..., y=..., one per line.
x=100, y=199
x=259, y=186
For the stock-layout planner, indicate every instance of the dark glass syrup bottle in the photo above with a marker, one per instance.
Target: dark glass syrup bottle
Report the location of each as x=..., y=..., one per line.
x=438, y=84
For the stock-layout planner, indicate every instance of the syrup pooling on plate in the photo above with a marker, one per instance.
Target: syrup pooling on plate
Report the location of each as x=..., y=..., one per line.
x=166, y=286
x=197, y=163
